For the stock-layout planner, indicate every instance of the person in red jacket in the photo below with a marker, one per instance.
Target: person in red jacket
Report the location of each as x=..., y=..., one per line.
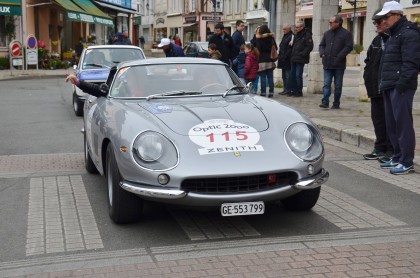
x=251, y=63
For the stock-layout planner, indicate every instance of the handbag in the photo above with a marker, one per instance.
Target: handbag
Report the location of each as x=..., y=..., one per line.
x=273, y=55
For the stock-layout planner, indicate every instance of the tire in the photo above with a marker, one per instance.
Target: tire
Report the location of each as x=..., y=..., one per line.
x=77, y=105
x=124, y=207
x=89, y=165
x=304, y=200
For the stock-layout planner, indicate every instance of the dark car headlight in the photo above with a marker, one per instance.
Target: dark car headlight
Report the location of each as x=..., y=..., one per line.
x=154, y=151
x=304, y=141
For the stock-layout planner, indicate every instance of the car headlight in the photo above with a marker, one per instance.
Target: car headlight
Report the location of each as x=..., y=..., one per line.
x=154, y=151
x=304, y=141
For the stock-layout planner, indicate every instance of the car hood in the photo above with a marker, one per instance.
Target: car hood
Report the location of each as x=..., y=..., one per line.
x=181, y=116
x=97, y=74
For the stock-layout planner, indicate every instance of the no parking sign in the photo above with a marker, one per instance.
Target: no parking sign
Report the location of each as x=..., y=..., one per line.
x=31, y=51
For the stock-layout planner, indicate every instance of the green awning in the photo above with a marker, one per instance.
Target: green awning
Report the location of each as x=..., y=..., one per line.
x=10, y=7
x=84, y=11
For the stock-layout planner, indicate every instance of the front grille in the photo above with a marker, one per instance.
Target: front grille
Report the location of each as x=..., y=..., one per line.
x=242, y=184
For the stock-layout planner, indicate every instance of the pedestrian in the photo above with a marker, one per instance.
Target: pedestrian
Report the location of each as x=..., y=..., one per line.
x=239, y=63
x=91, y=88
x=382, y=148
x=283, y=61
x=251, y=63
x=265, y=41
x=214, y=53
x=302, y=46
x=177, y=40
x=126, y=38
x=398, y=77
x=170, y=49
x=254, y=43
x=238, y=40
x=171, y=39
x=118, y=39
x=142, y=41
x=333, y=49
x=223, y=42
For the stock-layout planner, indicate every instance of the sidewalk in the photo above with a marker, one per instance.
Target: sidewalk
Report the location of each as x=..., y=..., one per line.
x=351, y=124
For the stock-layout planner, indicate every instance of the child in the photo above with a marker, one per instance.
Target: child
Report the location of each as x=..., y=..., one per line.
x=239, y=63
x=214, y=53
x=251, y=63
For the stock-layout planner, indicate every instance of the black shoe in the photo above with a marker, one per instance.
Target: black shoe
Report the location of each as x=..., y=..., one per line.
x=270, y=95
x=323, y=105
x=335, y=107
x=263, y=95
x=374, y=155
x=283, y=93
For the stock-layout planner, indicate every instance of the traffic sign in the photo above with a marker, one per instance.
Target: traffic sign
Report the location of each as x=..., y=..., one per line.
x=15, y=49
x=31, y=42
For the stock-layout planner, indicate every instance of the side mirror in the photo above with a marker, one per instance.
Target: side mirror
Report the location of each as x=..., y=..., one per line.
x=250, y=86
x=104, y=89
x=74, y=67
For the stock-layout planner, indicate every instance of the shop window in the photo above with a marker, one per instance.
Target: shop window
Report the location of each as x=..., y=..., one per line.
x=3, y=37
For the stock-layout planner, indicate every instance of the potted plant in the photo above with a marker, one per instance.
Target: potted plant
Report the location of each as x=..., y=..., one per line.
x=10, y=29
x=4, y=63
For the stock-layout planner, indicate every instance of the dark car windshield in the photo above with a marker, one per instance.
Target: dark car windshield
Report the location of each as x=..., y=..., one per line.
x=168, y=79
x=98, y=58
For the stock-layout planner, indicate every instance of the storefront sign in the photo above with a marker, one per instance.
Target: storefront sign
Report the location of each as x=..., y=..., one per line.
x=122, y=3
x=160, y=20
x=190, y=19
x=410, y=3
x=10, y=10
x=137, y=20
x=73, y=16
x=211, y=18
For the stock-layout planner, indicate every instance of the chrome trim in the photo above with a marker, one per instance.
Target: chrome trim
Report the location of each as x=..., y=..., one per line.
x=82, y=130
x=151, y=192
x=312, y=182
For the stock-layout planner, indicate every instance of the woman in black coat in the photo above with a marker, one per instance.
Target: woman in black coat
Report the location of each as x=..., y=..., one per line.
x=264, y=41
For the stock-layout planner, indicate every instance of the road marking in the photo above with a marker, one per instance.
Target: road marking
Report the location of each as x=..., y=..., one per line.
x=349, y=213
x=211, y=225
x=371, y=168
x=60, y=217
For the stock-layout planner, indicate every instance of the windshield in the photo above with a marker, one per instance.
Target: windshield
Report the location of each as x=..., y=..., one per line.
x=173, y=79
x=98, y=58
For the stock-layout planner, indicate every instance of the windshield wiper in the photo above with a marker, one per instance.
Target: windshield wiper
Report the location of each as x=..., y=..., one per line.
x=174, y=93
x=96, y=65
x=233, y=88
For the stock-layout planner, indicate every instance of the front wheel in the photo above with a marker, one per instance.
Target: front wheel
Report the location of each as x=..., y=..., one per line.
x=124, y=207
x=304, y=200
x=77, y=105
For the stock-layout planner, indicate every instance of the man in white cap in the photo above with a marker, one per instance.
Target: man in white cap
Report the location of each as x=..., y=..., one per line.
x=398, y=74
x=171, y=49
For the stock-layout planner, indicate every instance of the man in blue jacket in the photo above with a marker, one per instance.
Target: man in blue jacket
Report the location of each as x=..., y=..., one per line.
x=398, y=74
x=171, y=49
x=333, y=49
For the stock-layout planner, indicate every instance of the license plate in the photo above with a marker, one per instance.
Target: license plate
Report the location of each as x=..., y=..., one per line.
x=248, y=208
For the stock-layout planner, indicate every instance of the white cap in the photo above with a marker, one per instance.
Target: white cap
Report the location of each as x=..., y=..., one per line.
x=391, y=6
x=164, y=42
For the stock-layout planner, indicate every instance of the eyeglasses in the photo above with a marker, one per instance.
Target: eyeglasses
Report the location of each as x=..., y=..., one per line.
x=332, y=22
x=377, y=22
x=387, y=16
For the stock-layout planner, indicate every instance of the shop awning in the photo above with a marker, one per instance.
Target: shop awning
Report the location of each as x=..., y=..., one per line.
x=349, y=13
x=117, y=8
x=84, y=11
x=10, y=7
x=305, y=13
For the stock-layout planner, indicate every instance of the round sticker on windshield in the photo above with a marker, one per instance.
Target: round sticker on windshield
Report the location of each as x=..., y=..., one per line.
x=223, y=135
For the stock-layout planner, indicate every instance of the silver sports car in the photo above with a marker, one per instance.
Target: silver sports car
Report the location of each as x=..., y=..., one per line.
x=186, y=131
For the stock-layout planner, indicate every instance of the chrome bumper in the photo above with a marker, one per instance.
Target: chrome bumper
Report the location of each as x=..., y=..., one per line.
x=304, y=184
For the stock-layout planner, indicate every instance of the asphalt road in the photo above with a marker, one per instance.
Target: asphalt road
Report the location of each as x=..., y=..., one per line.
x=50, y=207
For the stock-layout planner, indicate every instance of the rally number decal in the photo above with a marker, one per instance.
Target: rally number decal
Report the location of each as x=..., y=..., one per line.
x=222, y=135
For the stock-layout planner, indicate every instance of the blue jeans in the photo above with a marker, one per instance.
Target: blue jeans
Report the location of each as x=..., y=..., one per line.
x=296, y=76
x=267, y=75
x=285, y=75
x=256, y=83
x=329, y=74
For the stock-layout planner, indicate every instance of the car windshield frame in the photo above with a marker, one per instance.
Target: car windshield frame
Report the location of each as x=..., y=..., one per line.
x=164, y=80
x=105, y=58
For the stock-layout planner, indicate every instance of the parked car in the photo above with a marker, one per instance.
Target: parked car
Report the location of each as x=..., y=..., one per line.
x=197, y=49
x=186, y=131
x=95, y=63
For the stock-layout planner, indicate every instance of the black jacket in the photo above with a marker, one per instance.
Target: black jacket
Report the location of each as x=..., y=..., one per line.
x=401, y=59
x=225, y=46
x=264, y=43
x=302, y=47
x=372, y=61
x=91, y=88
x=238, y=40
x=285, y=51
x=335, y=45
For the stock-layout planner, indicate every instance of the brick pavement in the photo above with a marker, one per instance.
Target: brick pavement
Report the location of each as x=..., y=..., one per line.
x=398, y=259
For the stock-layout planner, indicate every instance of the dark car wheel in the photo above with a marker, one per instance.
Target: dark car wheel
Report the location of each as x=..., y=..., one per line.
x=77, y=105
x=90, y=167
x=124, y=207
x=304, y=200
